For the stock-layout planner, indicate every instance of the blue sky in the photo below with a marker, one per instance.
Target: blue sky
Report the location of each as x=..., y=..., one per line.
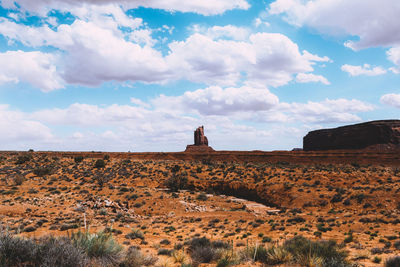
x=136, y=75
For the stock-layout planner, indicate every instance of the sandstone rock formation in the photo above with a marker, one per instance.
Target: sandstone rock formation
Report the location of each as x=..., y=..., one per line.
x=378, y=135
x=200, y=142
x=199, y=137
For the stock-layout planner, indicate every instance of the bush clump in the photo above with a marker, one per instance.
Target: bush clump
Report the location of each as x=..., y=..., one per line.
x=305, y=252
x=49, y=251
x=393, y=262
x=202, y=250
x=100, y=163
x=42, y=171
x=100, y=246
x=176, y=182
x=135, y=258
x=22, y=159
x=78, y=159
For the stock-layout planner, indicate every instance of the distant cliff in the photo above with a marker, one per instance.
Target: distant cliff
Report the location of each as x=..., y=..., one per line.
x=380, y=135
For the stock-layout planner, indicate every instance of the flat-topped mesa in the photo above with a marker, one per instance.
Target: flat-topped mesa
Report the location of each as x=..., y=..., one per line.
x=200, y=142
x=373, y=135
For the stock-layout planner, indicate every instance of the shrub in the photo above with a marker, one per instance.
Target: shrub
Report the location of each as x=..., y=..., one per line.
x=100, y=163
x=376, y=259
x=15, y=251
x=202, y=197
x=135, y=258
x=60, y=252
x=200, y=250
x=179, y=256
x=224, y=262
x=257, y=253
x=278, y=255
x=328, y=251
x=165, y=242
x=393, y=262
x=50, y=251
x=176, y=182
x=100, y=246
x=18, y=179
x=22, y=159
x=203, y=254
x=78, y=159
x=135, y=233
x=42, y=171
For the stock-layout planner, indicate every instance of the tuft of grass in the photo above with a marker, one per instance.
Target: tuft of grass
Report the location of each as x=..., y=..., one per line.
x=100, y=246
x=303, y=249
x=179, y=256
x=278, y=255
x=135, y=233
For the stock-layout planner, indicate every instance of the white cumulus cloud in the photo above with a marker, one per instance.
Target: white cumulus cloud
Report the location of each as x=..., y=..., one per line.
x=365, y=69
x=391, y=100
x=204, y=7
x=374, y=22
x=36, y=68
x=309, y=77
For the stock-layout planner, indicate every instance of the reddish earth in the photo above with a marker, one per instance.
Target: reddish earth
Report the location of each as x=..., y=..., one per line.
x=247, y=197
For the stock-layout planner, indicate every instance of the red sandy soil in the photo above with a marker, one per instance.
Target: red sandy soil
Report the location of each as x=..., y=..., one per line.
x=249, y=196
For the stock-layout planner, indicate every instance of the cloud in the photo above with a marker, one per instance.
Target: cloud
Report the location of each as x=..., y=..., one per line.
x=309, y=77
x=327, y=111
x=268, y=58
x=93, y=54
x=219, y=101
x=16, y=129
x=110, y=54
x=36, y=68
x=365, y=69
x=375, y=23
x=234, y=117
x=224, y=32
x=204, y=7
x=391, y=100
x=393, y=54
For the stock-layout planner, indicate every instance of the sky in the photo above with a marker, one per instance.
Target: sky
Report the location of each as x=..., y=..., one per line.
x=142, y=75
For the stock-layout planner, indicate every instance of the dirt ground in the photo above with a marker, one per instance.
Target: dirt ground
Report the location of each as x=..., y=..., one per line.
x=231, y=198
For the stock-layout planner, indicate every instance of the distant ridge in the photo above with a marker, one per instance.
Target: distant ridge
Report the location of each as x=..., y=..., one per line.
x=377, y=135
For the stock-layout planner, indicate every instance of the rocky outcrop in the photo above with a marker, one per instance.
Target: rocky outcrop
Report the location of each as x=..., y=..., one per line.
x=199, y=138
x=379, y=135
x=200, y=142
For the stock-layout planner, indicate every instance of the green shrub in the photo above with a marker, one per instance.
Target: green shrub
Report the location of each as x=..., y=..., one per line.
x=328, y=251
x=100, y=163
x=376, y=259
x=176, y=182
x=78, y=159
x=257, y=253
x=135, y=233
x=100, y=246
x=22, y=159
